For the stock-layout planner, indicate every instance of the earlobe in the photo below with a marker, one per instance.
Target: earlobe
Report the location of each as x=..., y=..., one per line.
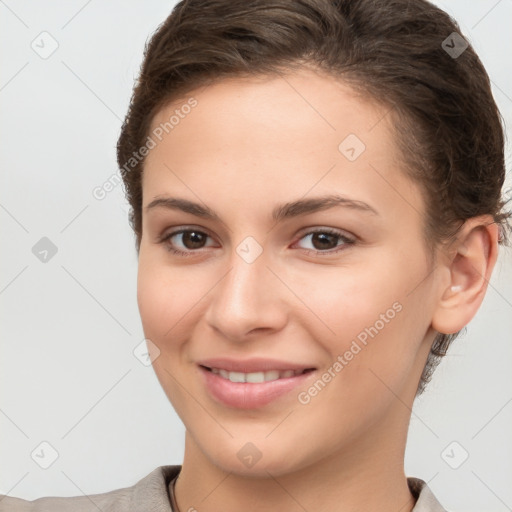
x=470, y=269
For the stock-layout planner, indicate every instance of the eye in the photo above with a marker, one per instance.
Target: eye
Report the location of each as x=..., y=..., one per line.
x=324, y=239
x=190, y=238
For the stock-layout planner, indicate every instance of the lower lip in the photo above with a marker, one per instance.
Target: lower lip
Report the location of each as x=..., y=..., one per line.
x=249, y=395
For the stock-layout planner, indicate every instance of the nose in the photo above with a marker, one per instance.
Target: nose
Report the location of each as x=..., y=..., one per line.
x=248, y=300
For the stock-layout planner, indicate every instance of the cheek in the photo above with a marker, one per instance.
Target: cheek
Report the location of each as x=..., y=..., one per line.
x=348, y=301
x=370, y=315
x=163, y=312
x=378, y=366
x=162, y=302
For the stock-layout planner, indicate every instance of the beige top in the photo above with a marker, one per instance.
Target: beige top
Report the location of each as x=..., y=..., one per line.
x=154, y=493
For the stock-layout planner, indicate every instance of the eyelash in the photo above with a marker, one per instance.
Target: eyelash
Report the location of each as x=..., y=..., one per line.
x=346, y=241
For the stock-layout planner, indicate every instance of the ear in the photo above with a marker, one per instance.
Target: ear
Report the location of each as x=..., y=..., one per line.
x=469, y=263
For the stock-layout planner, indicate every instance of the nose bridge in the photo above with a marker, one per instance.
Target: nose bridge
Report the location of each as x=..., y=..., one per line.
x=246, y=298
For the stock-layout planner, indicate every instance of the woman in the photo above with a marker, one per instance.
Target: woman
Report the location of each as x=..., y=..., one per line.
x=316, y=198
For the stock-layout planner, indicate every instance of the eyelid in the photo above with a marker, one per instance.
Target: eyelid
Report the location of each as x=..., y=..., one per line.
x=166, y=235
x=184, y=227
x=326, y=229
x=347, y=238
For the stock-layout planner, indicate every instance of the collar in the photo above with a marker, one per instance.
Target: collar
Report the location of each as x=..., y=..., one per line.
x=156, y=492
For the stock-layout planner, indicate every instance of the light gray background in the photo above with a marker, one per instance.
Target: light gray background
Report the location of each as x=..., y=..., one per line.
x=69, y=326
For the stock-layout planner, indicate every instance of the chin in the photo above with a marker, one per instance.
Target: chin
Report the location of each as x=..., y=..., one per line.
x=256, y=459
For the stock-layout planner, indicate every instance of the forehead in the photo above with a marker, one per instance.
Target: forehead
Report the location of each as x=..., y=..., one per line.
x=292, y=134
x=308, y=100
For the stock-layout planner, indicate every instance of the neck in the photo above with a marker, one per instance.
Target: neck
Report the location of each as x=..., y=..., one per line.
x=367, y=474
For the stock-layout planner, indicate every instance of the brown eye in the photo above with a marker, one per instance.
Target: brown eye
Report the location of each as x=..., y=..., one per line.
x=185, y=242
x=192, y=239
x=324, y=240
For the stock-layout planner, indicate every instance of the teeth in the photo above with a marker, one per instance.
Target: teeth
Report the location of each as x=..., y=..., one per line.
x=256, y=377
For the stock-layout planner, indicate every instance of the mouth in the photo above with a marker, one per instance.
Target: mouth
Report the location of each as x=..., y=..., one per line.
x=256, y=377
x=252, y=390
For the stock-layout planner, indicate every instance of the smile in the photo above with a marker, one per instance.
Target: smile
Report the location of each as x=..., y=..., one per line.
x=252, y=390
x=256, y=377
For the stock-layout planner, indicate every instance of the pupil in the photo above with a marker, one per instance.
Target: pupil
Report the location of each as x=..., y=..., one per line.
x=323, y=237
x=195, y=243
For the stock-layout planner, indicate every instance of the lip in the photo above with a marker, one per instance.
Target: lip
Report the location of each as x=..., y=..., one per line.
x=248, y=395
x=257, y=364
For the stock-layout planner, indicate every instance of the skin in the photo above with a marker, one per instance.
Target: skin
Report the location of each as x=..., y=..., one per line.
x=246, y=147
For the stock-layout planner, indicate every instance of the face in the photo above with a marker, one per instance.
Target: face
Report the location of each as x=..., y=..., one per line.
x=344, y=288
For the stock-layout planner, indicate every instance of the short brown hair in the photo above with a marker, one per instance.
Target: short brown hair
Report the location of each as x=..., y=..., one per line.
x=447, y=124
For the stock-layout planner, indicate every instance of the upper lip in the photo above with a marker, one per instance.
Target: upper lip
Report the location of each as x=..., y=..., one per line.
x=252, y=365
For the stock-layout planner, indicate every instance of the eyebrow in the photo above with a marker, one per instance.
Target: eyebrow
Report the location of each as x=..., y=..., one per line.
x=279, y=213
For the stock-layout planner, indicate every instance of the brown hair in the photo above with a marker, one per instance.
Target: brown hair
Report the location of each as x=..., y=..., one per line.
x=447, y=124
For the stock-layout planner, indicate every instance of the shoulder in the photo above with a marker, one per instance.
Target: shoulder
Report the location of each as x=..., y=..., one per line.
x=149, y=493
x=426, y=501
